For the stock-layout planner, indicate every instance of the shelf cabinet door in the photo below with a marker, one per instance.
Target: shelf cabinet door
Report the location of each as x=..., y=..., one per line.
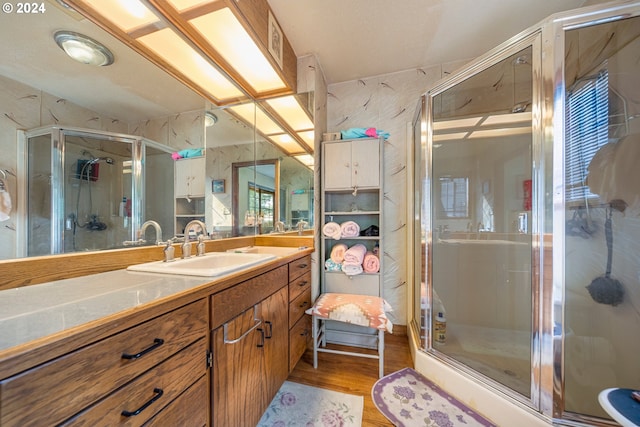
x=352, y=164
x=189, y=177
x=337, y=166
x=365, y=158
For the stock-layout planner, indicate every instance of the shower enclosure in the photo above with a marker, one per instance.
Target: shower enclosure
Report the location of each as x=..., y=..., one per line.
x=89, y=190
x=528, y=200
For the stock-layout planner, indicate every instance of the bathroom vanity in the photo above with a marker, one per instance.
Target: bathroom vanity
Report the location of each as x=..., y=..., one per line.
x=136, y=348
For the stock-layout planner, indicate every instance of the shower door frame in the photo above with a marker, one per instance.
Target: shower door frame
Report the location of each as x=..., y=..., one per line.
x=548, y=208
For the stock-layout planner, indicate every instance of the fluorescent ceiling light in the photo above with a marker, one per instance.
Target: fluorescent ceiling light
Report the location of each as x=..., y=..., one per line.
x=168, y=45
x=290, y=110
x=305, y=159
x=286, y=142
x=308, y=137
x=228, y=37
x=83, y=49
x=126, y=14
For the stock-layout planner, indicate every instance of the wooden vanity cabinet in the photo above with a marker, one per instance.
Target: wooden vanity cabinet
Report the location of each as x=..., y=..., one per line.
x=249, y=349
x=155, y=362
x=299, y=291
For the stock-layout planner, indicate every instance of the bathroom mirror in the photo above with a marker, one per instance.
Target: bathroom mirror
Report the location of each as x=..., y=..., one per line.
x=41, y=86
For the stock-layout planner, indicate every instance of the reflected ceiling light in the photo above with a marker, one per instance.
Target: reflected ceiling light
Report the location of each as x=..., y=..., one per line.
x=286, y=142
x=457, y=123
x=305, y=159
x=290, y=110
x=450, y=136
x=496, y=133
x=210, y=119
x=504, y=119
x=83, y=49
x=308, y=137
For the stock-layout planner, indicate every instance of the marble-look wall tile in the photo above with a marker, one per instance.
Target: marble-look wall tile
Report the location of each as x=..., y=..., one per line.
x=388, y=103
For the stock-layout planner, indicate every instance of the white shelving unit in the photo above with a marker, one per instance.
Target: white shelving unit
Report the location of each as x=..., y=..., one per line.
x=352, y=190
x=189, y=188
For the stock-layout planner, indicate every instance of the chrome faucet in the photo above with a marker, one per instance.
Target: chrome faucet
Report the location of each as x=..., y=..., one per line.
x=194, y=222
x=155, y=226
x=279, y=227
x=301, y=225
x=200, y=247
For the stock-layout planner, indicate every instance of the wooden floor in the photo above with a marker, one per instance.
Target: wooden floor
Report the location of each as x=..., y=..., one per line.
x=354, y=375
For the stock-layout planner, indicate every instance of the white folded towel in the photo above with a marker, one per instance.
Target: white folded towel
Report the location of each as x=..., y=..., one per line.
x=5, y=205
x=351, y=269
x=333, y=230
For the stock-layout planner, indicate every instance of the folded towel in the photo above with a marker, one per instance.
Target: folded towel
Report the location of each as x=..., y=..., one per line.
x=333, y=230
x=371, y=263
x=337, y=253
x=5, y=204
x=350, y=229
x=190, y=152
x=351, y=269
x=355, y=254
x=353, y=133
x=331, y=265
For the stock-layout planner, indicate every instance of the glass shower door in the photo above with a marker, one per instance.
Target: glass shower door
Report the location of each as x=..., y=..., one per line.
x=480, y=182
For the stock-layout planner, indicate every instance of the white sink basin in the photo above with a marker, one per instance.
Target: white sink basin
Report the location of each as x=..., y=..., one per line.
x=278, y=251
x=209, y=265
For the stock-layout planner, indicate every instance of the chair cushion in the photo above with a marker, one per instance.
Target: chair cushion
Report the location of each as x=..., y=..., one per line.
x=363, y=310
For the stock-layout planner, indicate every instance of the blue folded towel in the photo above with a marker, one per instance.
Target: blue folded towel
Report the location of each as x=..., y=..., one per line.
x=331, y=265
x=354, y=133
x=190, y=152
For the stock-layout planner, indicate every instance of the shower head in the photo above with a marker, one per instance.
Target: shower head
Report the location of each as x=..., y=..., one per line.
x=107, y=160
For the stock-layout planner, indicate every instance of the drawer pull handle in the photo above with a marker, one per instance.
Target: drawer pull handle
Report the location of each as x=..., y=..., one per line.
x=158, y=394
x=302, y=265
x=303, y=304
x=270, y=330
x=303, y=283
x=156, y=343
x=261, y=344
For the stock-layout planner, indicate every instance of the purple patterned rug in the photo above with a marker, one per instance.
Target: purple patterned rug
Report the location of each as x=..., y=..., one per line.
x=408, y=399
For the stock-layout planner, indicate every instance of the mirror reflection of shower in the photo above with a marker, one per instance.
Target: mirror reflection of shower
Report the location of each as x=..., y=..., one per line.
x=90, y=190
x=87, y=170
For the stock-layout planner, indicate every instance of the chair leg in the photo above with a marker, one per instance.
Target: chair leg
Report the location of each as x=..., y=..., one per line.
x=381, y=353
x=315, y=333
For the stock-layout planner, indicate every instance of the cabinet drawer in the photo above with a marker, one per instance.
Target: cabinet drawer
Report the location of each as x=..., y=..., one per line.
x=298, y=306
x=189, y=409
x=227, y=304
x=299, y=285
x=53, y=392
x=298, y=267
x=299, y=339
x=156, y=389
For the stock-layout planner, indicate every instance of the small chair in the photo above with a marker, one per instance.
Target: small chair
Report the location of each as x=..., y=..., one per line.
x=363, y=310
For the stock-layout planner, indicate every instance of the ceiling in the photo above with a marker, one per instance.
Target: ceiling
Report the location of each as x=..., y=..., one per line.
x=353, y=39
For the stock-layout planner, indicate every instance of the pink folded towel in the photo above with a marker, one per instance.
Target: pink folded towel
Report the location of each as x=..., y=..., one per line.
x=337, y=253
x=355, y=254
x=350, y=229
x=371, y=263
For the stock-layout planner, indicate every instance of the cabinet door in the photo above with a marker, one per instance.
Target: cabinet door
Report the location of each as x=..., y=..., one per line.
x=337, y=166
x=238, y=367
x=276, y=354
x=365, y=159
x=189, y=177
